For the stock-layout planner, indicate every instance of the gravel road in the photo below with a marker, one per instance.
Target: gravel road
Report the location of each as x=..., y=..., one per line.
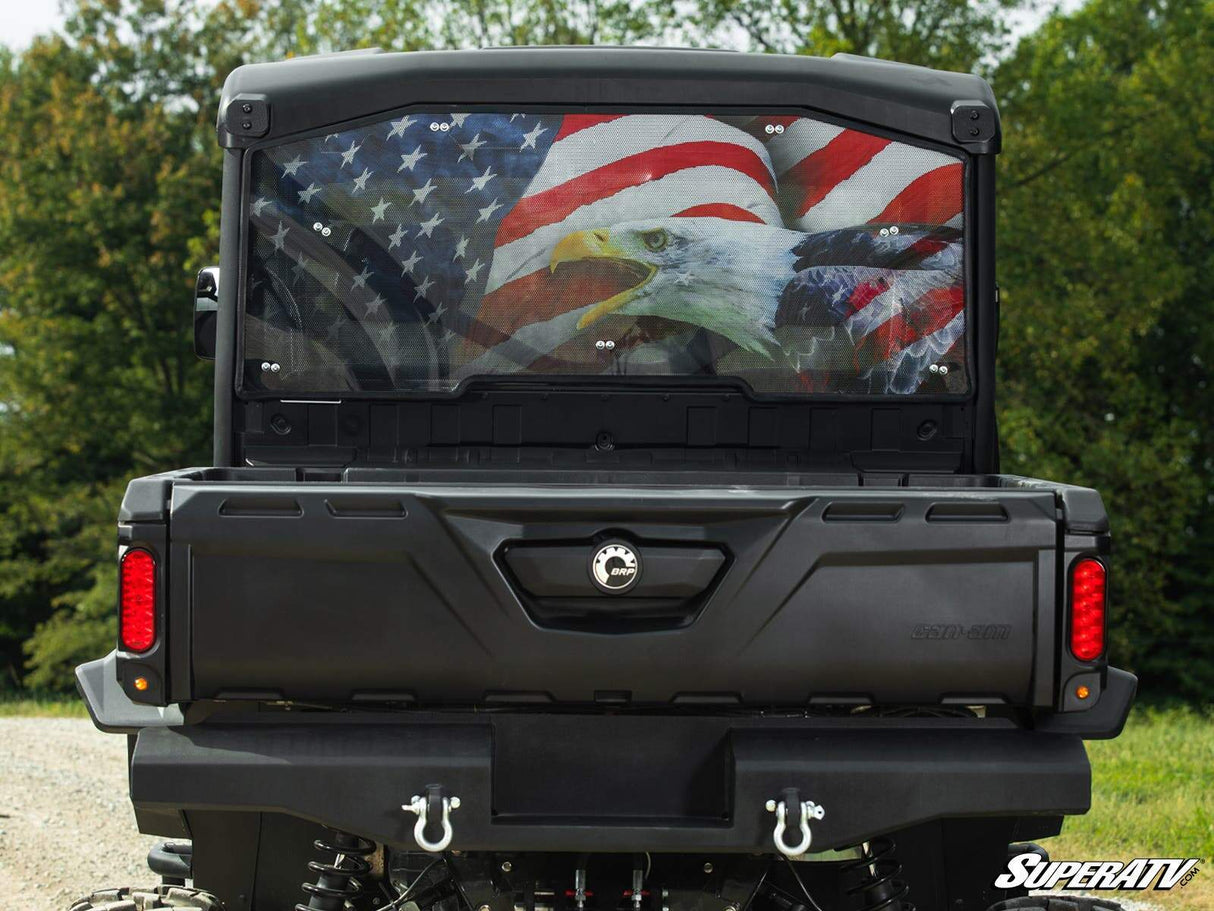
x=66, y=825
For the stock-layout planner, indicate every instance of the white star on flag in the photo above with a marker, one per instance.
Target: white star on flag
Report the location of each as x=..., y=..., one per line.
x=420, y=193
x=458, y=119
x=360, y=182
x=474, y=270
x=305, y=196
x=469, y=148
x=425, y=286
x=280, y=237
x=347, y=157
x=409, y=162
x=396, y=237
x=399, y=126
x=289, y=169
x=360, y=280
x=258, y=205
x=426, y=228
x=461, y=247
x=478, y=183
x=299, y=268
x=374, y=305
x=408, y=264
x=530, y=138
x=487, y=212
x=379, y=210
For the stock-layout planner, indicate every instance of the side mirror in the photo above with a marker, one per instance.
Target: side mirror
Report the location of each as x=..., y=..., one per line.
x=206, y=312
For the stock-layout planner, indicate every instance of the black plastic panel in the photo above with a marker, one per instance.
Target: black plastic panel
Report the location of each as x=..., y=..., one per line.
x=512, y=798
x=291, y=596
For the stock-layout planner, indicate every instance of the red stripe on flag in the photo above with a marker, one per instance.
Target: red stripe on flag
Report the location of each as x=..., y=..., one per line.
x=719, y=210
x=864, y=293
x=575, y=123
x=819, y=173
x=541, y=295
x=558, y=203
x=930, y=313
x=930, y=199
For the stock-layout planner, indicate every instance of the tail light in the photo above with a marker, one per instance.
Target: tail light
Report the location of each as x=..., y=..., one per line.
x=137, y=600
x=1089, y=590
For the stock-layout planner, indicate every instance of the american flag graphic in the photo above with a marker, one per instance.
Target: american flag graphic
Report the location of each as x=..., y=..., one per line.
x=417, y=251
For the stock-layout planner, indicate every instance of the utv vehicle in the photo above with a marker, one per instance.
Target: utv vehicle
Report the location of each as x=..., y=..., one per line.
x=605, y=511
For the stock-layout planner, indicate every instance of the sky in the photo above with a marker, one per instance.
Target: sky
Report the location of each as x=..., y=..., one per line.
x=23, y=19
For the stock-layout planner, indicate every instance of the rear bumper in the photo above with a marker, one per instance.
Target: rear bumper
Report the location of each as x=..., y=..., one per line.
x=608, y=784
x=598, y=782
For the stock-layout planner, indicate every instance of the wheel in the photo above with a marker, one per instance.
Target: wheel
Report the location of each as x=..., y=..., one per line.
x=1056, y=903
x=128, y=899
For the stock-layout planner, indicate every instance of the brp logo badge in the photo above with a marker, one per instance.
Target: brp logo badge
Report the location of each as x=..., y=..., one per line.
x=615, y=567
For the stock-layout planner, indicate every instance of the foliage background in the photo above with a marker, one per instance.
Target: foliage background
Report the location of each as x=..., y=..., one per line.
x=109, y=185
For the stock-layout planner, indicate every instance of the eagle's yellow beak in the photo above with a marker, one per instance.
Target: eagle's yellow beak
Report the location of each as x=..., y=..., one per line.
x=597, y=244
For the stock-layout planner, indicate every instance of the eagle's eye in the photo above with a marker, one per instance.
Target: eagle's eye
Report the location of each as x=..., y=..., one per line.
x=655, y=240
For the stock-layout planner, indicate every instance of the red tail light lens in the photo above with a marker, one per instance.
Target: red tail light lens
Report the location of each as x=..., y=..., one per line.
x=1088, y=595
x=137, y=597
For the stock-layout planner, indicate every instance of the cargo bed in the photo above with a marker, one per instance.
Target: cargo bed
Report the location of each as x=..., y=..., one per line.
x=443, y=588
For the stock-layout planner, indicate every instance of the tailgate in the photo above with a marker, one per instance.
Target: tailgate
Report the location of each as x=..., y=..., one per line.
x=471, y=595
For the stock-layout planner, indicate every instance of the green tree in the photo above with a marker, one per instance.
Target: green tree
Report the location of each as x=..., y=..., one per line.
x=327, y=25
x=948, y=34
x=1105, y=243
x=105, y=185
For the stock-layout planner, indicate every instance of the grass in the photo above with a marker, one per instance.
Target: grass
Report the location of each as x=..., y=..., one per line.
x=1152, y=793
x=41, y=705
x=1152, y=796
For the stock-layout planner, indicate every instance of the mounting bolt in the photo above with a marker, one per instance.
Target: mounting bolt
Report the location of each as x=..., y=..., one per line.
x=507, y=866
x=707, y=867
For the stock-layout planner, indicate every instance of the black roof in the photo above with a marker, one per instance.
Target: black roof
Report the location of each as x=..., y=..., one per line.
x=270, y=100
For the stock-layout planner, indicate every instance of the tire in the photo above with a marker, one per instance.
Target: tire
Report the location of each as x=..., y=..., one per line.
x=157, y=897
x=1058, y=903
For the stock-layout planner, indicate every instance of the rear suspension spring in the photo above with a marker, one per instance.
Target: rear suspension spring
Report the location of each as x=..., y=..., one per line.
x=875, y=875
x=337, y=882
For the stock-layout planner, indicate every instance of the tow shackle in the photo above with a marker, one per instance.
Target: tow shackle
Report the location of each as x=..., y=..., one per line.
x=801, y=811
x=433, y=805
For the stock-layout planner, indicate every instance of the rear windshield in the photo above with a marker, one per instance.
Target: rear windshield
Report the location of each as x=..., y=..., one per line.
x=414, y=254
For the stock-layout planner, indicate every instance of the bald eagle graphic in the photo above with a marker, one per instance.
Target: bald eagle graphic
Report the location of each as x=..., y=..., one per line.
x=879, y=301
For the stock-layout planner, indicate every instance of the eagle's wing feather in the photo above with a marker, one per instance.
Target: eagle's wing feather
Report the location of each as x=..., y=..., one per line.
x=838, y=273
x=900, y=247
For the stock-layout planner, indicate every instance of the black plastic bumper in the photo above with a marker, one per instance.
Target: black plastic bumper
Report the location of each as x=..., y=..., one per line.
x=602, y=782
x=608, y=784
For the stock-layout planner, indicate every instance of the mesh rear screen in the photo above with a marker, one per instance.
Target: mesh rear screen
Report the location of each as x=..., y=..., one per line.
x=796, y=255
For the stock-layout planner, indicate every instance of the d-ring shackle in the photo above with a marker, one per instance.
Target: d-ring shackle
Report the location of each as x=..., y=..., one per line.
x=805, y=809
x=420, y=805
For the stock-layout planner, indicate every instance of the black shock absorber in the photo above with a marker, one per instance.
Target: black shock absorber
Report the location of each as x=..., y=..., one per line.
x=875, y=877
x=337, y=882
